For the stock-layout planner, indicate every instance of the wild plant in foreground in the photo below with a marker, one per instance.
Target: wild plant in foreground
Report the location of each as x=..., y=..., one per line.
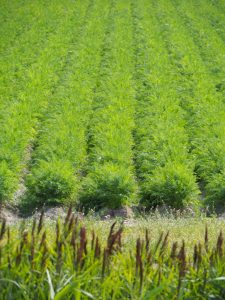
x=70, y=262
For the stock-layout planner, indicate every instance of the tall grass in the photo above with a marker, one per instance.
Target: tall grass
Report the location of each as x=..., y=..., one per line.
x=72, y=263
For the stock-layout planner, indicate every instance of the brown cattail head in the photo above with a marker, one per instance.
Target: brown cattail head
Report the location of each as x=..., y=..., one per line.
x=3, y=229
x=82, y=250
x=173, y=253
x=34, y=226
x=199, y=255
x=182, y=260
x=206, y=243
x=25, y=237
x=97, y=249
x=138, y=254
x=195, y=256
x=158, y=242
x=92, y=240
x=147, y=240
x=219, y=245
x=43, y=240
x=164, y=244
x=57, y=233
x=41, y=221
x=68, y=216
x=71, y=223
x=8, y=236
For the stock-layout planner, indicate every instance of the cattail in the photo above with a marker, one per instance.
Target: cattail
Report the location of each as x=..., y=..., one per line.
x=158, y=242
x=69, y=213
x=159, y=276
x=57, y=233
x=206, y=239
x=25, y=237
x=41, y=221
x=219, y=245
x=9, y=262
x=59, y=257
x=104, y=262
x=164, y=244
x=195, y=256
x=43, y=240
x=182, y=260
x=199, y=255
x=8, y=236
x=138, y=254
x=3, y=229
x=173, y=253
x=97, y=249
x=34, y=226
x=92, y=240
x=32, y=251
x=82, y=250
x=147, y=240
x=149, y=258
x=71, y=223
x=18, y=256
x=44, y=256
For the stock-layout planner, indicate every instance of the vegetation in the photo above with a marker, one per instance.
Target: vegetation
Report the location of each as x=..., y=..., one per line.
x=109, y=103
x=72, y=262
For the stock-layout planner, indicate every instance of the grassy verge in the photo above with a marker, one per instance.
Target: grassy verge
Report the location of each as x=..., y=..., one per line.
x=152, y=257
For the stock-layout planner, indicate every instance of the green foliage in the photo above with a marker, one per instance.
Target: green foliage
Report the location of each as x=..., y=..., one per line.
x=215, y=190
x=51, y=183
x=171, y=185
x=108, y=186
x=7, y=182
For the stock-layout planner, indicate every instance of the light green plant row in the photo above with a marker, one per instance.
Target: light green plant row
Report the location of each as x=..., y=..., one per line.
x=20, y=121
x=110, y=181
x=17, y=17
x=214, y=13
x=61, y=145
x=21, y=58
x=210, y=43
x=164, y=167
x=203, y=104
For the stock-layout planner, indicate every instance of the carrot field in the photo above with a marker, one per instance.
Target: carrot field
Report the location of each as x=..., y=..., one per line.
x=109, y=103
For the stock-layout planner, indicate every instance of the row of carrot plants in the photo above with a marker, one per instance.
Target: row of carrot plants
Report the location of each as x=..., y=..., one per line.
x=110, y=181
x=164, y=166
x=21, y=113
x=15, y=20
x=61, y=146
x=203, y=32
x=200, y=98
x=212, y=11
x=20, y=56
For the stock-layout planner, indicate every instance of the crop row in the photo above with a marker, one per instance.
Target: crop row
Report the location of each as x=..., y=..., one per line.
x=61, y=146
x=21, y=111
x=110, y=180
x=201, y=99
x=163, y=163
